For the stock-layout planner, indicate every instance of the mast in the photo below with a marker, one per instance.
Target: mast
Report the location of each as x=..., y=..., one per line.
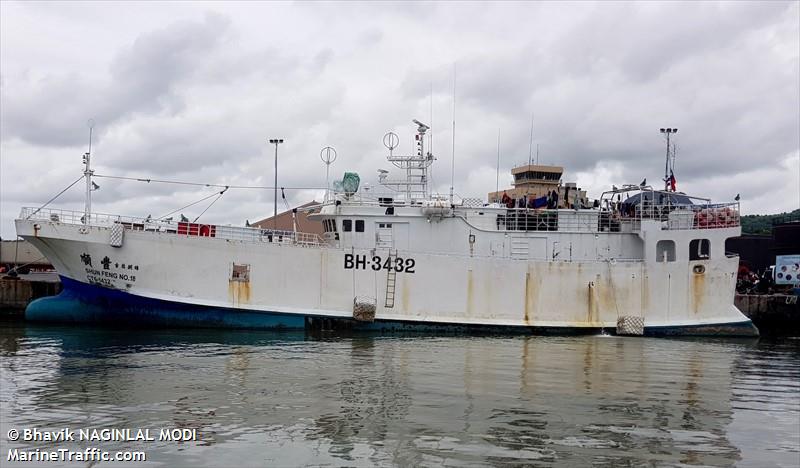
x=668, y=132
x=415, y=184
x=497, y=174
x=453, y=159
x=87, y=173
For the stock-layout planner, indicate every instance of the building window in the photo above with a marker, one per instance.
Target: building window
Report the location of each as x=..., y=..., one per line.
x=359, y=225
x=665, y=251
x=347, y=225
x=240, y=272
x=699, y=249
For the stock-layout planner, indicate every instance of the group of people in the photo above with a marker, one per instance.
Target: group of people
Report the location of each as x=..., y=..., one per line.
x=750, y=282
x=549, y=201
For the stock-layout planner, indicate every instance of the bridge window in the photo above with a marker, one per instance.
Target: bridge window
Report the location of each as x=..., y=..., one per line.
x=359, y=225
x=665, y=251
x=699, y=249
x=347, y=225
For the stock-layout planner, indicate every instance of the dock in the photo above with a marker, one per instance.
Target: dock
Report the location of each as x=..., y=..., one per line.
x=773, y=314
x=17, y=293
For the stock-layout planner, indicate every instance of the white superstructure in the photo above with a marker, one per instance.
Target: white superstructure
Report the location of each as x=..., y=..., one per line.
x=408, y=258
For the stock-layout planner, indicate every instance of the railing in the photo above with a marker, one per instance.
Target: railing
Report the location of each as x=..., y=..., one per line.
x=615, y=219
x=695, y=216
x=181, y=228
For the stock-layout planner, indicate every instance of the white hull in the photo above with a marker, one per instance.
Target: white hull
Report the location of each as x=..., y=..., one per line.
x=485, y=286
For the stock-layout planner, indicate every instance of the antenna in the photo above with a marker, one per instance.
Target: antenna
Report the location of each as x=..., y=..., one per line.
x=537, y=154
x=530, y=147
x=453, y=159
x=497, y=176
x=430, y=138
x=328, y=156
x=430, y=135
x=87, y=173
x=391, y=140
x=90, y=124
x=667, y=176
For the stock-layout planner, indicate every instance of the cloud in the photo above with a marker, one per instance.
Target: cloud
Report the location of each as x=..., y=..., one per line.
x=193, y=91
x=52, y=109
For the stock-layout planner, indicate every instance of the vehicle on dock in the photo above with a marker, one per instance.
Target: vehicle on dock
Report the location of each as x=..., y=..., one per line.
x=637, y=261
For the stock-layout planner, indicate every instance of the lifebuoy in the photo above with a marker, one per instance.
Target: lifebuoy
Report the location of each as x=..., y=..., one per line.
x=205, y=231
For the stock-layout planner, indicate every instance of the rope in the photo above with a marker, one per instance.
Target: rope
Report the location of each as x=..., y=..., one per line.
x=51, y=200
x=285, y=201
x=187, y=206
x=17, y=267
x=209, y=206
x=197, y=184
x=16, y=249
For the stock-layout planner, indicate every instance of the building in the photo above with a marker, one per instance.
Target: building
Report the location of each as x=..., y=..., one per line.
x=286, y=221
x=538, y=181
x=20, y=253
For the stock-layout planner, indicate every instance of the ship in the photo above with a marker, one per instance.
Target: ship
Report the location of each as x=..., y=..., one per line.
x=539, y=257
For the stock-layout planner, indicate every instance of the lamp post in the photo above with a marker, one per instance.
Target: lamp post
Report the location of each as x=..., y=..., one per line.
x=276, y=142
x=668, y=132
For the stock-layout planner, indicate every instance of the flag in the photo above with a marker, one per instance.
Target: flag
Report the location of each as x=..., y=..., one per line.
x=672, y=181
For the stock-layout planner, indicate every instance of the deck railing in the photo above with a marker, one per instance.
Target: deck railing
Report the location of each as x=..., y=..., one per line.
x=613, y=219
x=170, y=226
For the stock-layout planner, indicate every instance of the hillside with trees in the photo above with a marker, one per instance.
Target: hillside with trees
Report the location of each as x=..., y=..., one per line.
x=762, y=224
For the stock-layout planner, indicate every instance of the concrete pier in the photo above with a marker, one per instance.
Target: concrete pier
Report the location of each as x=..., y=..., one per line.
x=16, y=294
x=773, y=314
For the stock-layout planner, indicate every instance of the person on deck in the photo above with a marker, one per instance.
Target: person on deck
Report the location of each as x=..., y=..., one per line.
x=507, y=200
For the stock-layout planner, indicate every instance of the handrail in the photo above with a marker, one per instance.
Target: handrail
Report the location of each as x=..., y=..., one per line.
x=169, y=226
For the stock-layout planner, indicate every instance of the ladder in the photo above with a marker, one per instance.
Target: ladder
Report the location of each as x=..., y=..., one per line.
x=391, y=280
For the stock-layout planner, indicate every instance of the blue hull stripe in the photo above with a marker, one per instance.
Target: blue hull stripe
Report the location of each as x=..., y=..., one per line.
x=85, y=303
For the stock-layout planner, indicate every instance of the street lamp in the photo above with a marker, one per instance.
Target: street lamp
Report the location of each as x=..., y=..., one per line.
x=668, y=132
x=276, y=142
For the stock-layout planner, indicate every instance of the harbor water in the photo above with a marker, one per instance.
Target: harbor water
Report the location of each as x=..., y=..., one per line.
x=288, y=399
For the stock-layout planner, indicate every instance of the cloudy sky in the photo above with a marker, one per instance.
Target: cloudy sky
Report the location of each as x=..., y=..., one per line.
x=192, y=91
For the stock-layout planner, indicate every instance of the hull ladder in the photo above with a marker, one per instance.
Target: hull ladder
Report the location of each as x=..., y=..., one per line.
x=391, y=280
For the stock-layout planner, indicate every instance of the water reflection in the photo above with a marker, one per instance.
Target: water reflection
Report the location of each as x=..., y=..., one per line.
x=288, y=399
